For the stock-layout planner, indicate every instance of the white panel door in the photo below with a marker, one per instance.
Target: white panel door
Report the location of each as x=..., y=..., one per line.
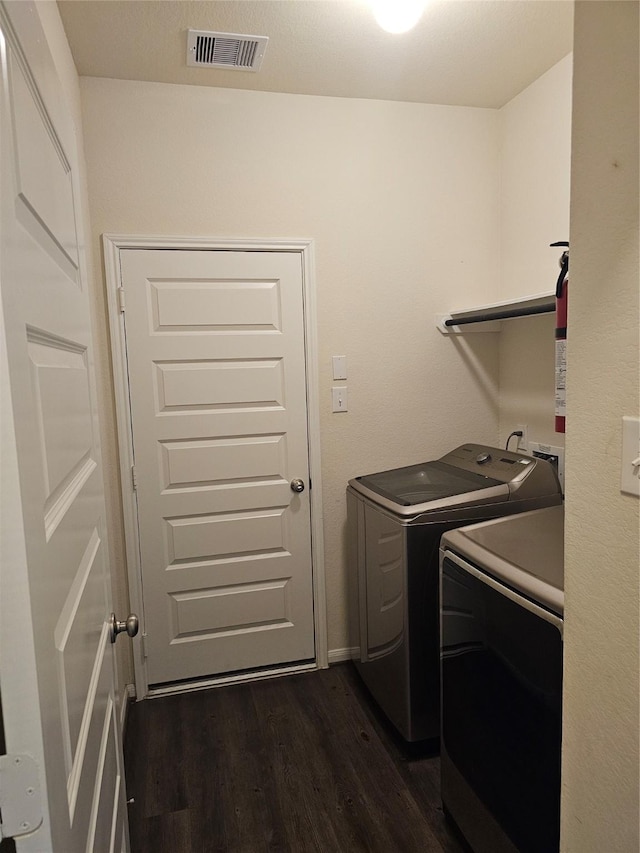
x=56, y=663
x=216, y=359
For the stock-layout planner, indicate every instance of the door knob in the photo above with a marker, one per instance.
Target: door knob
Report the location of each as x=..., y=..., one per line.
x=130, y=626
x=297, y=485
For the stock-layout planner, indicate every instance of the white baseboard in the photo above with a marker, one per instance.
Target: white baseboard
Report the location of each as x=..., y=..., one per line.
x=340, y=655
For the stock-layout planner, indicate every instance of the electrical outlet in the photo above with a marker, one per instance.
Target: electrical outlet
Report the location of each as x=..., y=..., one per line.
x=523, y=441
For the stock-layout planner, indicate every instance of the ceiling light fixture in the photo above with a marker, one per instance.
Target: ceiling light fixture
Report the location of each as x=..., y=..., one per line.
x=398, y=16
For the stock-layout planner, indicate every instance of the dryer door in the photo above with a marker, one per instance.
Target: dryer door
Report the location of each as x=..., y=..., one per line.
x=501, y=711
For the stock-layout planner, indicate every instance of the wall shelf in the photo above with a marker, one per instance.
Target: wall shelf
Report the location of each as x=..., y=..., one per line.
x=485, y=318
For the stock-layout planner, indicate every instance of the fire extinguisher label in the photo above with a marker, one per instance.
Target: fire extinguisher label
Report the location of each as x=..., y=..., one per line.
x=561, y=377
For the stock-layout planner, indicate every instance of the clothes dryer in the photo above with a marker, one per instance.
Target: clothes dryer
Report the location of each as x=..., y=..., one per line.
x=502, y=600
x=395, y=521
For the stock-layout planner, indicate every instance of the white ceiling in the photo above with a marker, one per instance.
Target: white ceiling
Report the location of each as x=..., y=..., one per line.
x=467, y=52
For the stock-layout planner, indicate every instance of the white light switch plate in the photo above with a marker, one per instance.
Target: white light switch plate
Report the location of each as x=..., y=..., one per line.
x=339, y=366
x=339, y=398
x=630, y=476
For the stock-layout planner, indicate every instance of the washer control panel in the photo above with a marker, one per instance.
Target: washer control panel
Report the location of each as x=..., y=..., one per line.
x=525, y=476
x=500, y=464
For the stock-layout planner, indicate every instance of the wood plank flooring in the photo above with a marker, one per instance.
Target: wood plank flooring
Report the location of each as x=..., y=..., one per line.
x=298, y=764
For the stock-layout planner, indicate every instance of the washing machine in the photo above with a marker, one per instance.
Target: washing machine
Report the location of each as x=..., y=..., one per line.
x=502, y=605
x=395, y=521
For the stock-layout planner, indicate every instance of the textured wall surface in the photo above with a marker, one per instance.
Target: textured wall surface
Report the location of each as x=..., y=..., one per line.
x=600, y=752
x=402, y=202
x=535, y=142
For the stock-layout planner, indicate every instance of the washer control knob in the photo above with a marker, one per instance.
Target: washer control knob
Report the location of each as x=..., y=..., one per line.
x=483, y=458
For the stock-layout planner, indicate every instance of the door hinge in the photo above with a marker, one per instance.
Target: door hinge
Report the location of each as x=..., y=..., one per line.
x=20, y=800
x=143, y=640
x=134, y=477
x=121, y=299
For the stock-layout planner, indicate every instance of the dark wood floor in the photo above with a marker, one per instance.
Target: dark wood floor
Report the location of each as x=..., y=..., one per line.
x=299, y=763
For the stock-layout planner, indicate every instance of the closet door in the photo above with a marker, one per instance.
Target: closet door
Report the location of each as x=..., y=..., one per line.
x=217, y=381
x=56, y=660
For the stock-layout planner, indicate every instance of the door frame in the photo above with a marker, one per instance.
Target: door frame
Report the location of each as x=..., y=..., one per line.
x=112, y=245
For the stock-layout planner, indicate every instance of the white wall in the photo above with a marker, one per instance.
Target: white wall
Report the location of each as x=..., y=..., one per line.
x=535, y=141
x=401, y=200
x=601, y=759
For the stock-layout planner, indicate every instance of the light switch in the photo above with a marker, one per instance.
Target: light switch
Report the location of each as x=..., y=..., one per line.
x=339, y=398
x=339, y=366
x=630, y=478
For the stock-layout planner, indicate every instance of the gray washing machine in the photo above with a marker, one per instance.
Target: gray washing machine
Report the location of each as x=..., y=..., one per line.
x=395, y=521
x=502, y=603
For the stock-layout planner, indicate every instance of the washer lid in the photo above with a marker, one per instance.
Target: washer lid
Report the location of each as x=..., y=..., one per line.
x=426, y=482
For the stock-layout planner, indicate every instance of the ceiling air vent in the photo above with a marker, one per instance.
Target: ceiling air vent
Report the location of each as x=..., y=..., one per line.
x=225, y=50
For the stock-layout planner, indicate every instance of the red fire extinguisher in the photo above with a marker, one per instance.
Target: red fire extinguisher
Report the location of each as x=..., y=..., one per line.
x=562, y=288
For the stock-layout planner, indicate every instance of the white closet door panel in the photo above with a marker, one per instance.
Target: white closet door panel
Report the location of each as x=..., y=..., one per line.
x=215, y=349
x=61, y=584
x=43, y=174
